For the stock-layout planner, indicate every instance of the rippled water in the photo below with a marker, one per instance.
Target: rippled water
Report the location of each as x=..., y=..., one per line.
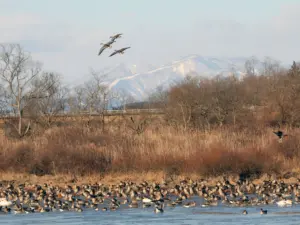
x=177, y=215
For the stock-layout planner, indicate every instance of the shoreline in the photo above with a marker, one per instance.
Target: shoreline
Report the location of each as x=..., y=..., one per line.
x=116, y=178
x=34, y=194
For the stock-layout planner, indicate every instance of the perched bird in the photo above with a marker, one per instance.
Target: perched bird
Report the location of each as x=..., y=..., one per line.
x=105, y=46
x=120, y=51
x=114, y=37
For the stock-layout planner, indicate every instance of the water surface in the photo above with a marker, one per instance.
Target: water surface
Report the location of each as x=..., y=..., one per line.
x=177, y=215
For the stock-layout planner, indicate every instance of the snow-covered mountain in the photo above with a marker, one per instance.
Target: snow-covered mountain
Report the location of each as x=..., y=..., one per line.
x=116, y=72
x=142, y=84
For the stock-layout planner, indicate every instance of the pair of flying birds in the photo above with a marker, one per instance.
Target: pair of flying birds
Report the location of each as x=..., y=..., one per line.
x=109, y=45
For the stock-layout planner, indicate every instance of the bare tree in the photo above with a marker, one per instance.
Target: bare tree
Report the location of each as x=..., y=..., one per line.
x=219, y=101
x=183, y=101
x=294, y=70
x=284, y=91
x=159, y=98
x=54, y=99
x=270, y=66
x=77, y=101
x=251, y=66
x=122, y=98
x=98, y=95
x=4, y=110
x=17, y=72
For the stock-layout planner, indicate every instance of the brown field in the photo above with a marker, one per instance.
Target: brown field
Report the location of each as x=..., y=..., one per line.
x=203, y=126
x=160, y=152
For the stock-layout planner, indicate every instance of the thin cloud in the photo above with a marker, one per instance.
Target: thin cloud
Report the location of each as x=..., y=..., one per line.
x=71, y=48
x=34, y=33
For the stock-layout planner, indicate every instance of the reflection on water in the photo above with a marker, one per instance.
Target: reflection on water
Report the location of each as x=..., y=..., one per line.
x=177, y=215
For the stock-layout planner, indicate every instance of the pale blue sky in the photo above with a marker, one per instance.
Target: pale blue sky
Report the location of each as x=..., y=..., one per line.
x=66, y=34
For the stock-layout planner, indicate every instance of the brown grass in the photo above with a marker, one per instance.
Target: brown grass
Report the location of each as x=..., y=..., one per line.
x=162, y=152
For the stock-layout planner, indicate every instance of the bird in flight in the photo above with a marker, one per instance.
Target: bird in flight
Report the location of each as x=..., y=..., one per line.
x=280, y=135
x=114, y=37
x=120, y=51
x=105, y=46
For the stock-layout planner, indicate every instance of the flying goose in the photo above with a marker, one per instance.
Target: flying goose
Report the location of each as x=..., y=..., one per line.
x=114, y=37
x=280, y=135
x=105, y=46
x=120, y=51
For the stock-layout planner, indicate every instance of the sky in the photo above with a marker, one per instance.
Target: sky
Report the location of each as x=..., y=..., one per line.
x=65, y=35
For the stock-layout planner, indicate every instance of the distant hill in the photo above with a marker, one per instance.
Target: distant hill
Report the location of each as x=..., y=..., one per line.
x=141, y=85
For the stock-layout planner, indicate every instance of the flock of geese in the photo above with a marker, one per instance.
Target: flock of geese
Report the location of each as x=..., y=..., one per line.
x=109, y=45
x=29, y=198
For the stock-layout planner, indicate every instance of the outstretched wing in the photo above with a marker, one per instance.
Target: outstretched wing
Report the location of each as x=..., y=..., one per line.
x=110, y=42
x=123, y=49
x=114, y=37
x=102, y=49
x=114, y=53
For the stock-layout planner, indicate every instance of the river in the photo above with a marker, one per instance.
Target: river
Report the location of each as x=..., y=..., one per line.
x=177, y=215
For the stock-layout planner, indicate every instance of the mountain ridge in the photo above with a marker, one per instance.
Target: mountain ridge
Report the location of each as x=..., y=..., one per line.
x=141, y=85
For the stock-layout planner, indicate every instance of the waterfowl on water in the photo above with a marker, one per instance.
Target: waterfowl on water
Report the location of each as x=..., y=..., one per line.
x=50, y=198
x=190, y=204
x=4, y=202
x=245, y=212
x=285, y=202
x=158, y=209
x=263, y=211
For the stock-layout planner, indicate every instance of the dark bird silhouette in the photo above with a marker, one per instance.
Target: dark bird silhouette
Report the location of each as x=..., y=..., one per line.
x=120, y=51
x=280, y=134
x=114, y=37
x=105, y=46
x=263, y=211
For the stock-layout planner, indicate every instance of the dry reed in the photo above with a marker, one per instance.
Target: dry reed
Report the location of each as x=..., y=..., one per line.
x=79, y=151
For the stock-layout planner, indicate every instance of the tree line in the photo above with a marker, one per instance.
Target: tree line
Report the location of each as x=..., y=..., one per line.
x=28, y=91
x=269, y=96
x=36, y=96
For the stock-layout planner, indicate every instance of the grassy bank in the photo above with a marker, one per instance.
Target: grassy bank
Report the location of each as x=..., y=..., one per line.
x=161, y=151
